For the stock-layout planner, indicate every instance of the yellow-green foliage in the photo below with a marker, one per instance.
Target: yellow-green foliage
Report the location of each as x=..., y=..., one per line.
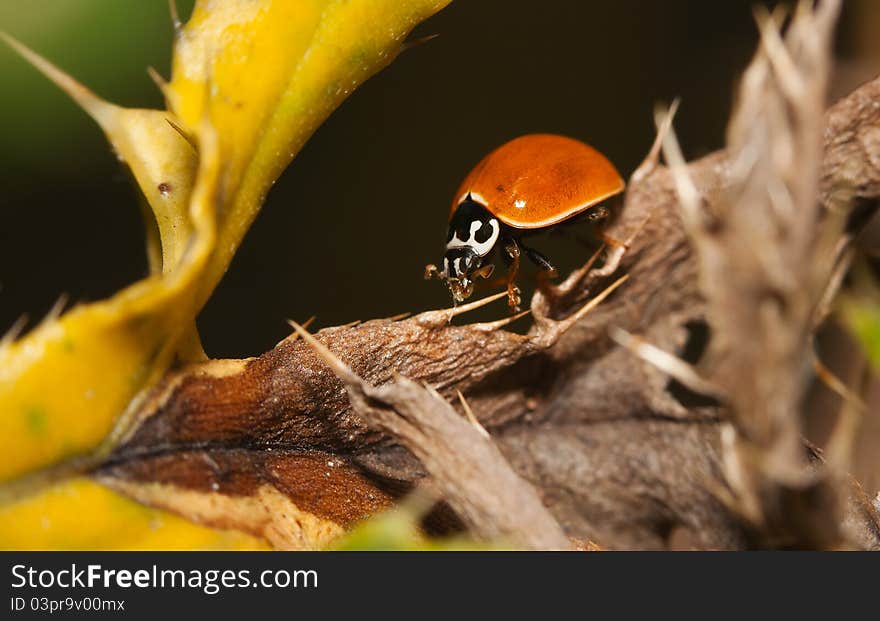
x=398, y=529
x=862, y=315
x=82, y=515
x=251, y=81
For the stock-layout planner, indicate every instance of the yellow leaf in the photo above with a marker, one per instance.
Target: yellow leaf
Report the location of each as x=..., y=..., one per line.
x=268, y=72
x=83, y=515
x=160, y=158
x=252, y=80
x=163, y=162
x=64, y=385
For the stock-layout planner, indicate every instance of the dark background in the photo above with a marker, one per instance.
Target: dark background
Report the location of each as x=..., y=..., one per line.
x=347, y=230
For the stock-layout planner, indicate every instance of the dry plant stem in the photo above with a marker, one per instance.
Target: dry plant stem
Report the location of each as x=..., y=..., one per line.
x=464, y=464
x=618, y=451
x=764, y=254
x=616, y=454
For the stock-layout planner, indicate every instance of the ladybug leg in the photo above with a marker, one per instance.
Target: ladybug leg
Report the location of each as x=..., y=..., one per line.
x=540, y=260
x=431, y=271
x=547, y=270
x=616, y=250
x=511, y=258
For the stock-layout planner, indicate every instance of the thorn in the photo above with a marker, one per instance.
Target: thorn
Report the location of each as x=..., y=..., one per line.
x=839, y=447
x=491, y=326
x=737, y=495
x=304, y=324
x=398, y=317
x=689, y=196
x=777, y=54
x=470, y=415
x=408, y=45
x=589, y=306
x=427, y=387
x=94, y=106
x=183, y=133
x=616, y=252
x=56, y=310
x=576, y=276
x=336, y=365
x=160, y=82
x=593, y=258
x=443, y=317
x=350, y=324
x=834, y=383
x=671, y=365
x=549, y=330
x=826, y=13
x=843, y=259
x=14, y=331
x=175, y=16
x=649, y=164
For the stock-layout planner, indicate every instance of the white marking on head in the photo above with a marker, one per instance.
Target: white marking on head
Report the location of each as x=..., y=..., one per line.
x=456, y=265
x=481, y=249
x=446, y=267
x=519, y=203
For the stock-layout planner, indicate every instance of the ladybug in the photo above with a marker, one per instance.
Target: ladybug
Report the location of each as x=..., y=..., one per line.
x=525, y=186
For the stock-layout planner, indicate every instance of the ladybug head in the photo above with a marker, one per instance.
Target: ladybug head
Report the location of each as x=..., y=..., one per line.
x=460, y=263
x=461, y=266
x=473, y=233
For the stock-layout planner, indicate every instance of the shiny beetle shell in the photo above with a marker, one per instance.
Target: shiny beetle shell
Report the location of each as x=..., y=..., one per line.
x=539, y=180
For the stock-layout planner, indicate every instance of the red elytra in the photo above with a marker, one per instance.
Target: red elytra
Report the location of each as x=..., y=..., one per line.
x=530, y=183
x=539, y=180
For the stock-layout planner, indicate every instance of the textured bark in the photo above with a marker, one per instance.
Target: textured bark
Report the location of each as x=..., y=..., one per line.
x=618, y=451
